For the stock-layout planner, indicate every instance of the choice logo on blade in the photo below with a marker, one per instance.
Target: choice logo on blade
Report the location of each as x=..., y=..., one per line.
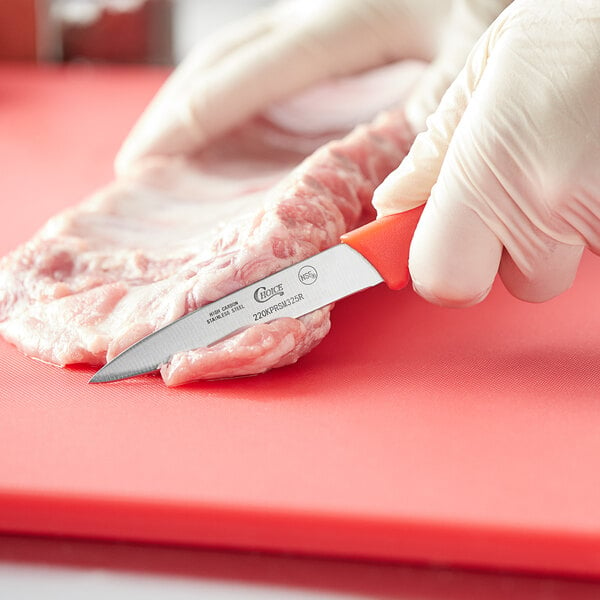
x=307, y=275
x=262, y=294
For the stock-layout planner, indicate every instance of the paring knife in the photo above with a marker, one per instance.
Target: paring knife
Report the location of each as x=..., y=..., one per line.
x=372, y=254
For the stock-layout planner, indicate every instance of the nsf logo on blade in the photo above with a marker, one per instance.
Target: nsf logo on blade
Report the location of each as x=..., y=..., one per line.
x=307, y=275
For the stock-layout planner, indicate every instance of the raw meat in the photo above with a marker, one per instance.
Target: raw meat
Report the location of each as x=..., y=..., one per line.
x=177, y=234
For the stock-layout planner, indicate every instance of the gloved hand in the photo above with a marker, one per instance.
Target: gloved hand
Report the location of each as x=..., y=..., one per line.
x=510, y=162
x=275, y=52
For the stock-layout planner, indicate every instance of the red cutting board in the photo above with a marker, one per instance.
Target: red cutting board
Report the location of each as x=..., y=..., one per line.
x=467, y=437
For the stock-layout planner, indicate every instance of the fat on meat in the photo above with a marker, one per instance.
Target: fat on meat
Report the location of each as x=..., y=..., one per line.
x=175, y=234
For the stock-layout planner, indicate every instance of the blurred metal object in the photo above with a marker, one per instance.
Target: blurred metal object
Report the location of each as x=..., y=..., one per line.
x=123, y=31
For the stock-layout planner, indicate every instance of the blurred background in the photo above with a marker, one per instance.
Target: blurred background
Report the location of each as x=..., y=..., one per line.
x=121, y=31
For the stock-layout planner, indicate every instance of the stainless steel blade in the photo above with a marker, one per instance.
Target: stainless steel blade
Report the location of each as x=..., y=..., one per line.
x=291, y=292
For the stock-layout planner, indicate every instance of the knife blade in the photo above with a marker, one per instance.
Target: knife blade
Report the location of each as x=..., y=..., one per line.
x=367, y=256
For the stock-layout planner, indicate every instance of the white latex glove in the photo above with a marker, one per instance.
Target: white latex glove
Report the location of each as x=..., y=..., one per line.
x=271, y=54
x=510, y=162
x=467, y=21
x=278, y=51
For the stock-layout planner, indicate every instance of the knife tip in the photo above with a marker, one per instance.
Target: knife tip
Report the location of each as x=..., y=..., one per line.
x=100, y=377
x=111, y=372
x=106, y=375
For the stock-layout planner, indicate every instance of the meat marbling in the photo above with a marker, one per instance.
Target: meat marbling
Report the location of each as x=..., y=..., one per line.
x=176, y=234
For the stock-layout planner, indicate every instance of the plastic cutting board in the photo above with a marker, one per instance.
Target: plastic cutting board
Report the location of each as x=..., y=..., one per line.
x=412, y=433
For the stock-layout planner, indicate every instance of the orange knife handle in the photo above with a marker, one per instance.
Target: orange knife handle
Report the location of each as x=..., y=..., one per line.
x=385, y=244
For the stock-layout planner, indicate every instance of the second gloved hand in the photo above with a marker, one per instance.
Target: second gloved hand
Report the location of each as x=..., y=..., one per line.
x=271, y=54
x=282, y=49
x=510, y=162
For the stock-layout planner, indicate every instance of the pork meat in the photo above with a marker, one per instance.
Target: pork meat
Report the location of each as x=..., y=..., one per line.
x=176, y=233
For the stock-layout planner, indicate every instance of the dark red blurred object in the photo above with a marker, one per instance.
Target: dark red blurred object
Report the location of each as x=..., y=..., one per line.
x=18, y=30
x=140, y=35
x=43, y=30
